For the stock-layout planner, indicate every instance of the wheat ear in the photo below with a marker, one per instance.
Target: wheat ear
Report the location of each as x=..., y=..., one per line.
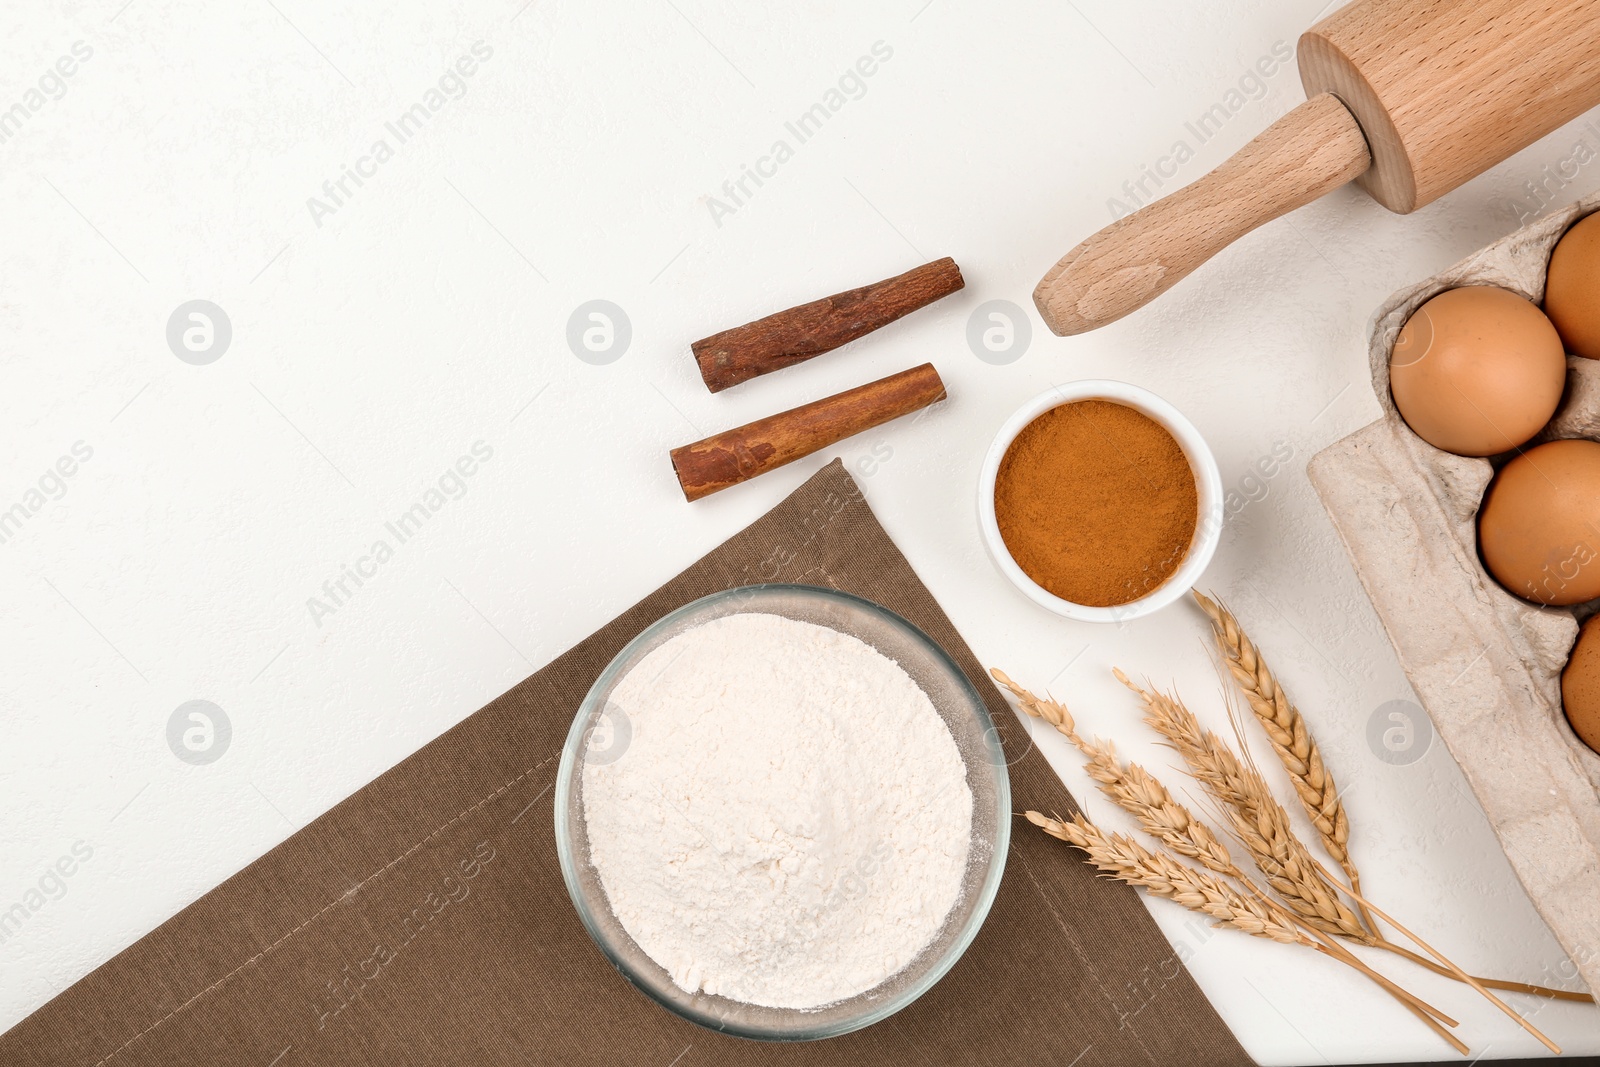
x=1291, y=739
x=1128, y=861
x=1258, y=820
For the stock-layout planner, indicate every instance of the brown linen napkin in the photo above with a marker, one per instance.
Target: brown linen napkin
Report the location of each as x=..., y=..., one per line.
x=424, y=921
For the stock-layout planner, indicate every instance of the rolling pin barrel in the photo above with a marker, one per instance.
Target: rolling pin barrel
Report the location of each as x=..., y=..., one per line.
x=1409, y=97
x=1446, y=89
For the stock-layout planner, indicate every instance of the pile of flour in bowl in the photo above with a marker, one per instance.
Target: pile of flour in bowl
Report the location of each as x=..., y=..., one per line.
x=788, y=824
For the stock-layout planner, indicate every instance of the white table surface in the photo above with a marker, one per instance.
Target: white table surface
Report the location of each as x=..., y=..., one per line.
x=429, y=312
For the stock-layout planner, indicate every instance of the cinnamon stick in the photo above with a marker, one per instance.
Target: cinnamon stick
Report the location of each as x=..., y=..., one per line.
x=740, y=454
x=796, y=335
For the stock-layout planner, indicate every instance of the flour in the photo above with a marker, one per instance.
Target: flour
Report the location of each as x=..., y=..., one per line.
x=789, y=823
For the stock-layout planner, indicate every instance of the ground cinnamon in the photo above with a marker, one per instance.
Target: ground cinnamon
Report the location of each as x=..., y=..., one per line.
x=1096, y=502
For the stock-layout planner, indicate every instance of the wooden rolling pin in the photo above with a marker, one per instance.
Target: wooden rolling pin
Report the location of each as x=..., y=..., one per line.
x=1410, y=98
x=743, y=452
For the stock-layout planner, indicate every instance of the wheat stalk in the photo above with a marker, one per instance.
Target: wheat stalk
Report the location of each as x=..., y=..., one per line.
x=1301, y=757
x=1143, y=796
x=1133, y=789
x=1257, y=819
x=1261, y=824
x=1129, y=862
x=1291, y=738
x=1462, y=976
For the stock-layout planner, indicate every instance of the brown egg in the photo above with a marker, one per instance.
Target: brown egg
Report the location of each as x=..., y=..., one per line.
x=1580, y=684
x=1477, y=371
x=1539, y=527
x=1572, y=291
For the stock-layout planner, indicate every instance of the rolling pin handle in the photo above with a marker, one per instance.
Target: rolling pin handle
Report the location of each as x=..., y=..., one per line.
x=1312, y=150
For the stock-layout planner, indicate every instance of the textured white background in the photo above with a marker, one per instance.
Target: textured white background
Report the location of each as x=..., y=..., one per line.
x=430, y=312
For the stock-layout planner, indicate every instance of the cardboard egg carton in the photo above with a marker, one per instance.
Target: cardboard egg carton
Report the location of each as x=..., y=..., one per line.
x=1485, y=664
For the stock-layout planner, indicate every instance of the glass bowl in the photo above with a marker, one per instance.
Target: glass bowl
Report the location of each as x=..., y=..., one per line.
x=957, y=703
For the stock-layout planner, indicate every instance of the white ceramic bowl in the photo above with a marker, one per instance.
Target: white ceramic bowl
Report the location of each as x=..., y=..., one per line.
x=1208, y=483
